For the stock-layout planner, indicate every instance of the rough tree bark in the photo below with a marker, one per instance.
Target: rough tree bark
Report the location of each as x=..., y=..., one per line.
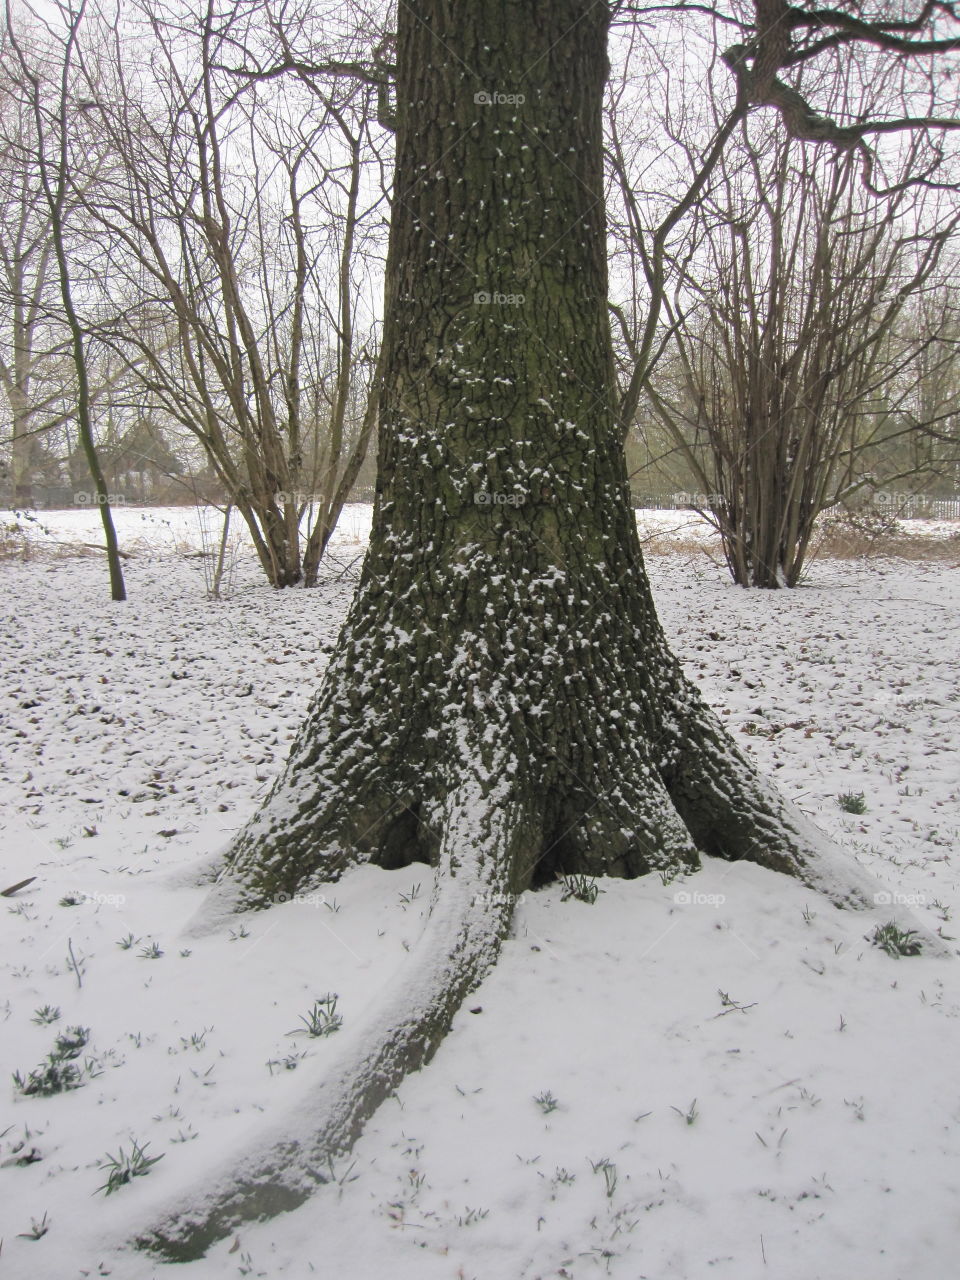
x=502, y=702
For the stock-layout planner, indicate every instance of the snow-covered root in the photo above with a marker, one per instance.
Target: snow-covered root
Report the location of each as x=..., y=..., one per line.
x=220, y=904
x=225, y=900
x=195, y=874
x=734, y=812
x=485, y=836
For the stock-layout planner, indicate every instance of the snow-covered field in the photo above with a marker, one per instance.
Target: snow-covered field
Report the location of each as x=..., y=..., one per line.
x=714, y=1078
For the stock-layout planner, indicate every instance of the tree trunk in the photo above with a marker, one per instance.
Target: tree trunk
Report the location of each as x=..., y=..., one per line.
x=21, y=448
x=281, y=540
x=54, y=189
x=502, y=703
x=765, y=503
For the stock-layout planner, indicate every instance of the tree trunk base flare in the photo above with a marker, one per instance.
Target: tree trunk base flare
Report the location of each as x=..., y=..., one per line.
x=493, y=817
x=502, y=703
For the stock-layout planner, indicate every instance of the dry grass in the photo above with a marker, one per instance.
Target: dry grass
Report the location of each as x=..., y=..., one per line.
x=853, y=535
x=857, y=535
x=21, y=544
x=691, y=548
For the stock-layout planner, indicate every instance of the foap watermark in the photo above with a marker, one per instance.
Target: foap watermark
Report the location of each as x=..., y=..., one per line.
x=894, y=898
x=497, y=99
x=693, y=898
x=98, y=899
x=84, y=499
x=895, y=498
x=699, y=500
x=488, y=298
x=487, y=498
x=302, y=899
x=297, y=498
x=498, y=899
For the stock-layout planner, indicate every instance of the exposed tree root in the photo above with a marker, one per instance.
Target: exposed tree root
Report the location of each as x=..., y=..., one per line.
x=732, y=811
x=485, y=834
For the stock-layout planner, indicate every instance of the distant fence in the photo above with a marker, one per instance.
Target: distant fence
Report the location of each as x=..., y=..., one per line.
x=904, y=506
x=908, y=506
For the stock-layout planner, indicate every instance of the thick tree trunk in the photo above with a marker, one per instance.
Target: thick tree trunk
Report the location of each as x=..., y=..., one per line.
x=502, y=702
x=504, y=579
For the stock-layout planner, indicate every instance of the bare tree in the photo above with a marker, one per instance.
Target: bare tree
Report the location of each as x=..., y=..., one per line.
x=910, y=443
x=242, y=221
x=37, y=374
x=32, y=365
x=775, y=291
x=46, y=74
x=780, y=319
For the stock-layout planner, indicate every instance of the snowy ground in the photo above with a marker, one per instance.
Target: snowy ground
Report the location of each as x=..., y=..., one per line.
x=824, y=1139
